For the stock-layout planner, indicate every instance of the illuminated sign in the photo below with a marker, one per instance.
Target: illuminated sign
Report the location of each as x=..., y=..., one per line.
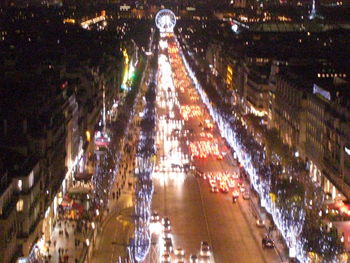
x=325, y=94
x=69, y=21
x=124, y=7
x=229, y=75
x=347, y=150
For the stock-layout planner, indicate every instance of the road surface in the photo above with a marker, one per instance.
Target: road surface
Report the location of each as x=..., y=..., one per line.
x=195, y=213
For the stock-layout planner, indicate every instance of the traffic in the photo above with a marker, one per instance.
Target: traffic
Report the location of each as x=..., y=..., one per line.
x=196, y=178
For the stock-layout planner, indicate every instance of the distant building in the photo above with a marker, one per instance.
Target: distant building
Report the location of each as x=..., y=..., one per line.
x=311, y=115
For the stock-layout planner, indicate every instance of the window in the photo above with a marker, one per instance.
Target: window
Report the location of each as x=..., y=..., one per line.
x=19, y=205
x=31, y=179
x=20, y=184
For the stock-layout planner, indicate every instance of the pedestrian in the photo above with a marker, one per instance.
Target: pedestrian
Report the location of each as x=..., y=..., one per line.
x=54, y=243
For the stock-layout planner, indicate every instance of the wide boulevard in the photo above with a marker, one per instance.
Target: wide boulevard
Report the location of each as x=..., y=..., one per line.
x=184, y=133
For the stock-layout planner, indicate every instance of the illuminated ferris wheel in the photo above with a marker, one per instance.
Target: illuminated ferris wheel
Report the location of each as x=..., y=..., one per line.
x=165, y=21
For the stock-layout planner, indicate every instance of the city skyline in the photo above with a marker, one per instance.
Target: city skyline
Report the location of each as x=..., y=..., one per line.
x=175, y=131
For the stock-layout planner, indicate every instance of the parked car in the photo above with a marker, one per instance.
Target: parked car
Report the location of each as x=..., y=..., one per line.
x=260, y=222
x=267, y=242
x=246, y=195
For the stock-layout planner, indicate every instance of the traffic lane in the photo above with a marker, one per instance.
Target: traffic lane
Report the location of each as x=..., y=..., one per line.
x=113, y=240
x=243, y=243
x=231, y=236
x=105, y=248
x=248, y=208
x=183, y=207
x=244, y=210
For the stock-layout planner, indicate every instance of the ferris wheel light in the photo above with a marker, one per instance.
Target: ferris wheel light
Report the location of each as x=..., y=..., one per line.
x=165, y=21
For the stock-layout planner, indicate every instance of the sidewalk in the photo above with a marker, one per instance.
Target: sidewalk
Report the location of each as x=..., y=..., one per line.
x=67, y=242
x=118, y=219
x=252, y=211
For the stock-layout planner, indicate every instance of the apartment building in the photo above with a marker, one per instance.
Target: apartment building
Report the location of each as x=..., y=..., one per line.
x=312, y=116
x=8, y=217
x=288, y=111
x=328, y=137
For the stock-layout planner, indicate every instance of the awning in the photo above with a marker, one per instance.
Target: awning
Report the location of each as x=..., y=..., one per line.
x=83, y=176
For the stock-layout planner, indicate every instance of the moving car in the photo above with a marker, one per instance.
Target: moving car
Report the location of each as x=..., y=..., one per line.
x=154, y=217
x=179, y=255
x=220, y=157
x=205, y=249
x=214, y=189
x=224, y=189
x=194, y=259
x=166, y=224
x=231, y=183
x=168, y=245
x=166, y=258
x=235, y=193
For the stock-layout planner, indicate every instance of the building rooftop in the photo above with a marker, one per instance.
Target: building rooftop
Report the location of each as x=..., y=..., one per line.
x=16, y=163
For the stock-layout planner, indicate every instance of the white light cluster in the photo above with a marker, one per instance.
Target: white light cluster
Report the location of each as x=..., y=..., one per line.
x=170, y=155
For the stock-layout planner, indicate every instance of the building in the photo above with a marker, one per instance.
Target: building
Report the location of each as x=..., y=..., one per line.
x=288, y=111
x=257, y=88
x=327, y=136
x=8, y=217
x=311, y=116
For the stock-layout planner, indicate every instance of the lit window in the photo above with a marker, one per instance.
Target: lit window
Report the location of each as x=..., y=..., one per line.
x=20, y=184
x=19, y=205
